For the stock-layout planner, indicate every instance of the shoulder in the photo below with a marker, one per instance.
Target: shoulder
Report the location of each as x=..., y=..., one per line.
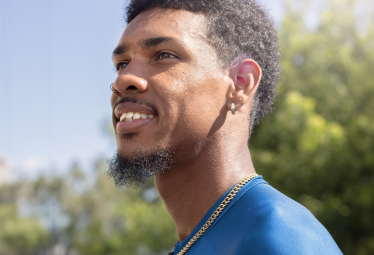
x=264, y=221
x=280, y=225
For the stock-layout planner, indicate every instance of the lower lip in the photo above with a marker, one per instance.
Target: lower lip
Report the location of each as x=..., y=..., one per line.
x=128, y=127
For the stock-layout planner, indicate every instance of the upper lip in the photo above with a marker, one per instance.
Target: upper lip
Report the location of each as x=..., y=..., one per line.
x=122, y=108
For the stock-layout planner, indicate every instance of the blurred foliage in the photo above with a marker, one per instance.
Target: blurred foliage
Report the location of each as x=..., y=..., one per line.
x=18, y=235
x=115, y=221
x=83, y=215
x=317, y=148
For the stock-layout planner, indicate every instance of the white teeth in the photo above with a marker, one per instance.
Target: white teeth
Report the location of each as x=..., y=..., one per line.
x=131, y=116
x=123, y=116
x=136, y=116
x=143, y=116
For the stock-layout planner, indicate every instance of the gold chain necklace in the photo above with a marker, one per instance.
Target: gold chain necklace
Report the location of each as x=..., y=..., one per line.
x=217, y=212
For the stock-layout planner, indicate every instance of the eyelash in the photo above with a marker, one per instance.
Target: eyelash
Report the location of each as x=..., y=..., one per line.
x=119, y=65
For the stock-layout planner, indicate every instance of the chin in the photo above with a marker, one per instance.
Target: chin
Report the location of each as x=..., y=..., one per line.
x=135, y=169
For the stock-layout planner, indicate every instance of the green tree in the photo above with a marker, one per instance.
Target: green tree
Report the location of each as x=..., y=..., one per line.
x=18, y=235
x=85, y=214
x=123, y=221
x=318, y=146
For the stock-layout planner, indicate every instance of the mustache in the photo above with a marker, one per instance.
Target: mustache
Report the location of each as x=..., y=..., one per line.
x=135, y=101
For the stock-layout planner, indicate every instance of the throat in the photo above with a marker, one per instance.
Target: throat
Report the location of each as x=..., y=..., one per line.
x=189, y=191
x=189, y=197
x=187, y=204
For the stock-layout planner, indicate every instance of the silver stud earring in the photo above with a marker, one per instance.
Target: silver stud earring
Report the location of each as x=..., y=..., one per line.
x=233, y=108
x=240, y=99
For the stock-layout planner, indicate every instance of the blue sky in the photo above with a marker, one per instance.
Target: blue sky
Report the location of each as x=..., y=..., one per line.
x=55, y=72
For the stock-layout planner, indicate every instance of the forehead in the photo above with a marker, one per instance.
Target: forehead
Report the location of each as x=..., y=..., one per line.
x=159, y=22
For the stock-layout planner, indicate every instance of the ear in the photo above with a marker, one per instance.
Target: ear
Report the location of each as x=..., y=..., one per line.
x=246, y=77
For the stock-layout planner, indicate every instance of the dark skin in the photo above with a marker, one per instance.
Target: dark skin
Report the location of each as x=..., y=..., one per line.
x=181, y=82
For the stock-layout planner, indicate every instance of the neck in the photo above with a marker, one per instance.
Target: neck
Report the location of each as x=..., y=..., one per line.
x=189, y=191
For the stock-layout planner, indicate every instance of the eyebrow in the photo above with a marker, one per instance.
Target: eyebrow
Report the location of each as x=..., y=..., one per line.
x=153, y=42
x=145, y=43
x=120, y=49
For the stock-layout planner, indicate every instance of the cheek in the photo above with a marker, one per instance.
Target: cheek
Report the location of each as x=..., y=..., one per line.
x=169, y=94
x=202, y=106
x=192, y=101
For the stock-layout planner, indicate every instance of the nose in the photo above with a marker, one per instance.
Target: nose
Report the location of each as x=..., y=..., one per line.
x=128, y=82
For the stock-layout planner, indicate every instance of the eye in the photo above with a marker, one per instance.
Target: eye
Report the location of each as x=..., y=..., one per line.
x=163, y=55
x=121, y=65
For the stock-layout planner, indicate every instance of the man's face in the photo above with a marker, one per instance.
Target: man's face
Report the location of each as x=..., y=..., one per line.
x=167, y=68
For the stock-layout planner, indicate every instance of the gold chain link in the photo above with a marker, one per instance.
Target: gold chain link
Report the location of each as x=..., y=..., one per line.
x=217, y=212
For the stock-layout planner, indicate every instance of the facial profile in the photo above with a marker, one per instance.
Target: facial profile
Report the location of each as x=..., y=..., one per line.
x=170, y=76
x=174, y=87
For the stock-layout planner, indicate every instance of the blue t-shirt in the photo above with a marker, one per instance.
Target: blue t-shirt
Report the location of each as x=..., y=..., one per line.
x=261, y=220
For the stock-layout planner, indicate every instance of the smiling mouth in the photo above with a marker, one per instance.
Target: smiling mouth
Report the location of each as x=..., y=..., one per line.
x=131, y=122
x=131, y=116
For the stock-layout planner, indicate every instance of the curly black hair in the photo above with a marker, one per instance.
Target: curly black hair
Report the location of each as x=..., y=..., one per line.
x=237, y=29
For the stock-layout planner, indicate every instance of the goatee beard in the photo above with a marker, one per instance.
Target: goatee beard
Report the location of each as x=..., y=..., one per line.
x=138, y=169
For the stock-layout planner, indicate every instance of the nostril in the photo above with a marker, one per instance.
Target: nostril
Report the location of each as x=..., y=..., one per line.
x=132, y=87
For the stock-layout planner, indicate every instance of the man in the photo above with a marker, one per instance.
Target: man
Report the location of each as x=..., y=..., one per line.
x=194, y=77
